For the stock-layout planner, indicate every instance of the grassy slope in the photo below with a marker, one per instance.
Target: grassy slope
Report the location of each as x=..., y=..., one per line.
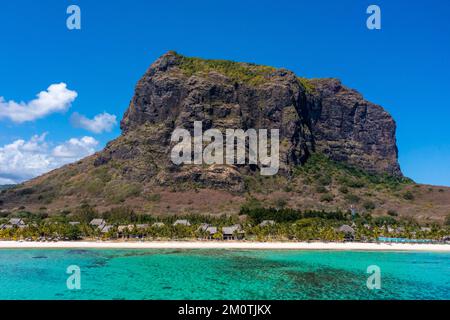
x=320, y=184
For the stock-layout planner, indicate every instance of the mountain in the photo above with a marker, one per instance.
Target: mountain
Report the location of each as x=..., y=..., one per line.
x=336, y=149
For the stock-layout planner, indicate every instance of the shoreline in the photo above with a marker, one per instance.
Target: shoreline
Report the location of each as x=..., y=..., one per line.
x=349, y=246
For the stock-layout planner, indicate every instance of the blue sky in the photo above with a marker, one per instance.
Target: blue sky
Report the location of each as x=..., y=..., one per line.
x=404, y=67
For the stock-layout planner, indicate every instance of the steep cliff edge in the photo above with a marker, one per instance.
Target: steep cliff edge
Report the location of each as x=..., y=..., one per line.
x=313, y=115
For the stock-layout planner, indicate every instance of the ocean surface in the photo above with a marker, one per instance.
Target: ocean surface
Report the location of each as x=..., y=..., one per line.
x=222, y=274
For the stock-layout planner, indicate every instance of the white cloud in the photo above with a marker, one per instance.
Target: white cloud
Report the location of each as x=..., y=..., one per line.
x=74, y=147
x=22, y=160
x=6, y=181
x=57, y=98
x=103, y=122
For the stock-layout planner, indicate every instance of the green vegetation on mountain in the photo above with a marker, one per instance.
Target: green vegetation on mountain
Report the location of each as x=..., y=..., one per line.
x=239, y=72
x=307, y=85
x=324, y=171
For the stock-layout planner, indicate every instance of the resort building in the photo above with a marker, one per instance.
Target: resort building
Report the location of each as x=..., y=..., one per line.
x=141, y=226
x=99, y=223
x=266, y=223
x=203, y=227
x=211, y=231
x=208, y=229
x=233, y=232
x=158, y=224
x=349, y=232
x=182, y=222
x=106, y=228
x=16, y=222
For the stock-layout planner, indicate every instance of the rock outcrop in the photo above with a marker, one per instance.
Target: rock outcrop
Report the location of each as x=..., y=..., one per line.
x=350, y=129
x=312, y=115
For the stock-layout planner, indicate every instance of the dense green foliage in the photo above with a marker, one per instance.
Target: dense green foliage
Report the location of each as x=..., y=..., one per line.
x=289, y=224
x=324, y=171
x=306, y=84
x=288, y=215
x=239, y=72
x=336, y=181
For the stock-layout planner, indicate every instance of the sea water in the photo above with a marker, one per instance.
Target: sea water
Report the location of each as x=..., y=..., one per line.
x=222, y=274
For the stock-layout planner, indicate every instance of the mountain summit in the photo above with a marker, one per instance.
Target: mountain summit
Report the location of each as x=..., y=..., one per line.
x=313, y=115
x=334, y=146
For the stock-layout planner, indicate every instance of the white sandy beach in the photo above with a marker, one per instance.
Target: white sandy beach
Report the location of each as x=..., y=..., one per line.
x=226, y=245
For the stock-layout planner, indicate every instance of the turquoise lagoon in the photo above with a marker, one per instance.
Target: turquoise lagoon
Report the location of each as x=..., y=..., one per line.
x=222, y=274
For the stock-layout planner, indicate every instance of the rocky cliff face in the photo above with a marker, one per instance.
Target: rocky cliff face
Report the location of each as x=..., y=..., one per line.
x=312, y=115
x=348, y=128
